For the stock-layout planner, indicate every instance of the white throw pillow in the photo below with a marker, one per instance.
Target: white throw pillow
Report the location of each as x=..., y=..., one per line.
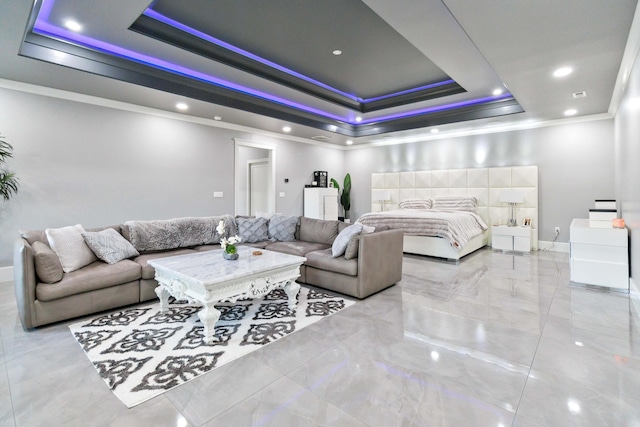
x=109, y=245
x=69, y=245
x=341, y=242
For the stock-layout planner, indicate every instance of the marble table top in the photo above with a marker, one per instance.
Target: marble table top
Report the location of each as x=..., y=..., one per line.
x=210, y=267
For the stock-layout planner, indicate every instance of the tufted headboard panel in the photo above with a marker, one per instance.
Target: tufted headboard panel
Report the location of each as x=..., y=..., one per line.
x=485, y=184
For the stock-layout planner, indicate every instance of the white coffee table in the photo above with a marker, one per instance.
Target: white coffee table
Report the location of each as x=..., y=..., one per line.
x=207, y=278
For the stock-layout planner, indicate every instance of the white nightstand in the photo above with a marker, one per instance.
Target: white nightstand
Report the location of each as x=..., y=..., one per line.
x=516, y=239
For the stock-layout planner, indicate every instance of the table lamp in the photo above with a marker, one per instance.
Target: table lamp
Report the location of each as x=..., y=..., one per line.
x=381, y=196
x=512, y=197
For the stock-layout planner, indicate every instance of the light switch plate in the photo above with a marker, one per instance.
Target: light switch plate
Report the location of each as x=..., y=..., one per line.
x=218, y=194
x=282, y=194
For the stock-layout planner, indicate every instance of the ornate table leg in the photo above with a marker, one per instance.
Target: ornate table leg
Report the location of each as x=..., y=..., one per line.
x=163, y=295
x=292, y=288
x=209, y=316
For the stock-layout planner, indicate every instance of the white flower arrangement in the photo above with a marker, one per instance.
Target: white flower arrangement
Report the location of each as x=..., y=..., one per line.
x=228, y=244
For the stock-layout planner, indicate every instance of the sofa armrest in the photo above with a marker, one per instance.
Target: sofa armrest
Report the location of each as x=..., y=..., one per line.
x=379, y=261
x=24, y=274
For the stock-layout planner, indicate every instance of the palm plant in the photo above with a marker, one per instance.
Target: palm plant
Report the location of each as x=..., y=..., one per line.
x=345, y=196
x=8, y=180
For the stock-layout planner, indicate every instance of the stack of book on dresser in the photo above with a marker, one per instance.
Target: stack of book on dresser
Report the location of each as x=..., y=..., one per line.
x=603, y=214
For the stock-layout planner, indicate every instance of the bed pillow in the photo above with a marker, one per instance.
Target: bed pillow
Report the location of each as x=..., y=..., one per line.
x=69, y=245
x=109, y=245
x=415, y=204
x=253, y=230
x=47, y=263
x=340, y=243
x=283, y=228
x=455, y=203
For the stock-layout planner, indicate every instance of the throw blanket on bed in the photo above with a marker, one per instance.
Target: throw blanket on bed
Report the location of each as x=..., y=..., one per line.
x=458, y=227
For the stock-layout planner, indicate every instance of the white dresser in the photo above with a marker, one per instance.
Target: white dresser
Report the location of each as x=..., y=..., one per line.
x=599, y=255
x=321, y=203
x=506, y=238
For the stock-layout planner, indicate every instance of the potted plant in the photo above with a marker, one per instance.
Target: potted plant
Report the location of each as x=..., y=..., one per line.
x=8, y=180
x=345, y=196
x=228, y=244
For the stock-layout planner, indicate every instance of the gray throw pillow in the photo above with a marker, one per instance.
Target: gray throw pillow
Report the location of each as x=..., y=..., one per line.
x=340, y=243
x=253, y=230
x=109, y=245
x=283, y=228
x=48, y=267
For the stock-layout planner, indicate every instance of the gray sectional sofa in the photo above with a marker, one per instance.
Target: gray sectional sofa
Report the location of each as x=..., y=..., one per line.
x=45, y=293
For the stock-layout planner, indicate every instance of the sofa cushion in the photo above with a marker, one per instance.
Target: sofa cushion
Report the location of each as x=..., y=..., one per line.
x=149, y=272
x=318, y=230
x=297, y=247
x=96, y=275
x=109, y=245
x=324, y=260
x=69, y=245
x=47, y=263
x=353, y=246
x=341, y=242
x=282, y=227
x=253, y=230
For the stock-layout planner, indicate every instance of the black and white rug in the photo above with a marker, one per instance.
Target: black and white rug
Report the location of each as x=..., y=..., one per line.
x=141, y=352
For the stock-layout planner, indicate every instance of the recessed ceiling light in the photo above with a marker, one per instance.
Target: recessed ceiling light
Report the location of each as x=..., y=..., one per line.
x=337, y=52
x=217, y=118
x=286, y=129
x=497, y=92
x=349, y=142
x=182, y=106
x=435, y=130
x=571, y=112
x=73, y=25
x=562, y=72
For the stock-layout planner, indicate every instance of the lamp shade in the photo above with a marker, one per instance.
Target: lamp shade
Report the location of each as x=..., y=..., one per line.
x=512, y=196
x=381, y=195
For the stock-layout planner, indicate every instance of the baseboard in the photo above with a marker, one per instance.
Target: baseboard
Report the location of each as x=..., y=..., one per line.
x=553, y=246
x=6, y=274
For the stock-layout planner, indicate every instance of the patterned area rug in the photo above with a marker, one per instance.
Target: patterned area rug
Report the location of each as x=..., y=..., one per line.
x=141, y=352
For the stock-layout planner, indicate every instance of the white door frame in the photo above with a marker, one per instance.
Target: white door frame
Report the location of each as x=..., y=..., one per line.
x=242, y=169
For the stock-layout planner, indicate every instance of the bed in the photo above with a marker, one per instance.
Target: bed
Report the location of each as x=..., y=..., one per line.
x=449, y=229
x=483, y=184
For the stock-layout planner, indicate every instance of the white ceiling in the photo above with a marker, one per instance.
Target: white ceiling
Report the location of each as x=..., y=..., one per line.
x=481, y=44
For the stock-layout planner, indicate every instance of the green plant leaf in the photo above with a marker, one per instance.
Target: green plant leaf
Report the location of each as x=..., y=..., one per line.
x=335, y=185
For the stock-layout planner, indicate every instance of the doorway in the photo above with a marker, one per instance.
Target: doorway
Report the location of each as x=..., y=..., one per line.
x=248, y=153
x=258, y=186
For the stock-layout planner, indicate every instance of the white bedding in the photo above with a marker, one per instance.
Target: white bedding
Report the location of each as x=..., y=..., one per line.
x=458, y=227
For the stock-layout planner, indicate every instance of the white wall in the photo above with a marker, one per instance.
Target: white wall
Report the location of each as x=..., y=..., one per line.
x=575, y=166
x=93, y=165
x=627, y=135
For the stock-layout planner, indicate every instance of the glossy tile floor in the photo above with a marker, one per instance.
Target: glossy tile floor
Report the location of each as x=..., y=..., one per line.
x=498, y=340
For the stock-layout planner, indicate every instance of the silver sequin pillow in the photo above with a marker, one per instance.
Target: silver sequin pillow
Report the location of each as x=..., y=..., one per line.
x=109, y=245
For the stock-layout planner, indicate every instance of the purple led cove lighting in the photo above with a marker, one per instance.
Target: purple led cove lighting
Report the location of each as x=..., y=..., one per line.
x=180, y=26
x=415, y=89
x=43, y=27
x=46, y=28
x=436, y=109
